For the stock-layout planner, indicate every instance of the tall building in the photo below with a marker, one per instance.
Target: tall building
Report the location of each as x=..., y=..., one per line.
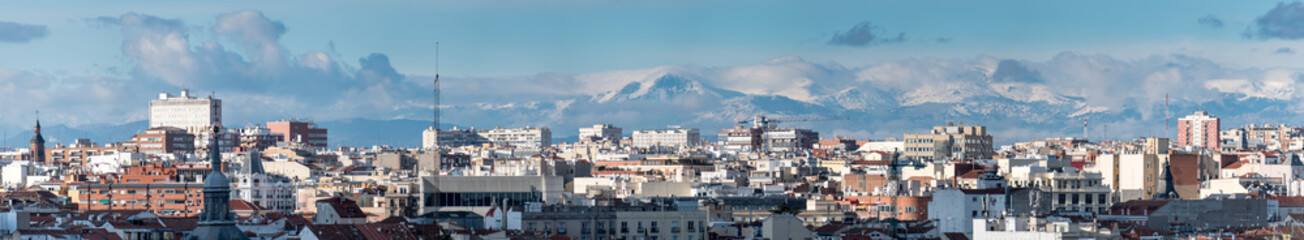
x=38, y=145
x=299, y=132
x=667, y=137
x=601, y=133
x=195, y=115
x=1198, y=130
x=216, y=221
x=950, y=142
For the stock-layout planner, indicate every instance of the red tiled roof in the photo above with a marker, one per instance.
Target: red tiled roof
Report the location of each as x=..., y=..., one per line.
x=344, y=207
x=242, y=205
x=972, y=174
x=1235, y=165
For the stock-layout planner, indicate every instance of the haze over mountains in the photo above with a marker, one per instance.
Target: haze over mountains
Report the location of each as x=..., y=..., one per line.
x=1016, y=99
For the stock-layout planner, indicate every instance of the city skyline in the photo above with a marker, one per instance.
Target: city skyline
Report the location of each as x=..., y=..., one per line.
x=665, y=120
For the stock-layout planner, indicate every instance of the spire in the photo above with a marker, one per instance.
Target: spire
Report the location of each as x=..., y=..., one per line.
x=38, y=141
x=214, y=153
x=216, y=221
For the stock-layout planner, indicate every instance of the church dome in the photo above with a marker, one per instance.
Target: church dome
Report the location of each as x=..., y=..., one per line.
x=216, y=179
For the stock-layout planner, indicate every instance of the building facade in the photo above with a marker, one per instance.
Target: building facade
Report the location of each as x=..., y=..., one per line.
x=432, y=138
x=299, y=132
x=164, y=140
x=527, y=137
x=618, y=222
x=601, y=133
x=1199, y=130
x=193, y=114
x=789, y=140
x=950, y=142
x=666, y=137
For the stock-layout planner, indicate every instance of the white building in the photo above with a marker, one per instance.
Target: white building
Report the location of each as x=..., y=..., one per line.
x=601, y=132
x=15, y=173
x=955, y=209
x=195, y=115
x=251, y=183
x=667, y=137
x=1021, y=228
x=527, y=137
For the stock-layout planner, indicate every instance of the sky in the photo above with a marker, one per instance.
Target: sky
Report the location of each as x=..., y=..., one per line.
x=372, y=59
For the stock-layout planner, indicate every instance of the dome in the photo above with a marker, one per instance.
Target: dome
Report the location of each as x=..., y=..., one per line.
x=216, y=179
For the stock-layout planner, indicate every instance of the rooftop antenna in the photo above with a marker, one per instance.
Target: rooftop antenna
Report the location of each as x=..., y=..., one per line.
x=436, y=108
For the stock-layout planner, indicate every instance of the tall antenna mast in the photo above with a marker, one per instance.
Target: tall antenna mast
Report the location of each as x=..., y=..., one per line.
x=1085, y=136
x=436, y=108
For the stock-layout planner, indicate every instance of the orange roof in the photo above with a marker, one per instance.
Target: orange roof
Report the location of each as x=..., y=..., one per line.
x=242, y=205
x=1235, y=165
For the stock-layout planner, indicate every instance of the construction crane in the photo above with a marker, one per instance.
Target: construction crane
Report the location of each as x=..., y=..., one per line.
x=767, y=122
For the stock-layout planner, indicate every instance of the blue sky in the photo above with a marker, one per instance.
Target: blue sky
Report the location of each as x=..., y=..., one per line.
x=527, y=37
x=98, y=62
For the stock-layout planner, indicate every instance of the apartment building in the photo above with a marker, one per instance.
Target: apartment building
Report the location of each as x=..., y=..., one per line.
x=1199, y=130
x=527, y=137
x=789, y=140
x=950, y=142
x=304, y=132
x=667, y=137
x=601, y=133
x=164, y=140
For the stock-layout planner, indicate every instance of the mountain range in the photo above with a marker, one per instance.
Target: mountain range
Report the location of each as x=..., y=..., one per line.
x=1016, y=100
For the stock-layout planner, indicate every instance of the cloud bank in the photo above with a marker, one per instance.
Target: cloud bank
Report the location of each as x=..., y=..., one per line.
x=12, y=32
x=866, y=34
x=1285, y=21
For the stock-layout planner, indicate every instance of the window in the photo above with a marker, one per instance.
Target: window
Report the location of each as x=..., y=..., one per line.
x=654, y=227
x=674, y=226
x=529, y=226
x=624, y=227
x=561, y=227
x=1075, y=198
x=910, y=209
x=690, y=227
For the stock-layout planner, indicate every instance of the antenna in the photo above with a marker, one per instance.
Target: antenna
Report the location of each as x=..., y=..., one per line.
x=436, y=107
x=1085, y=136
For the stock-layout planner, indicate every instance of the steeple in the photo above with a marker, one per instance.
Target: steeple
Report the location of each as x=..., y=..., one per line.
x=38, y=142
x=216, y=221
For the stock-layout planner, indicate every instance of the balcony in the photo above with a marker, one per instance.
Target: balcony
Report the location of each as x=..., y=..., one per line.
x=674, y=230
